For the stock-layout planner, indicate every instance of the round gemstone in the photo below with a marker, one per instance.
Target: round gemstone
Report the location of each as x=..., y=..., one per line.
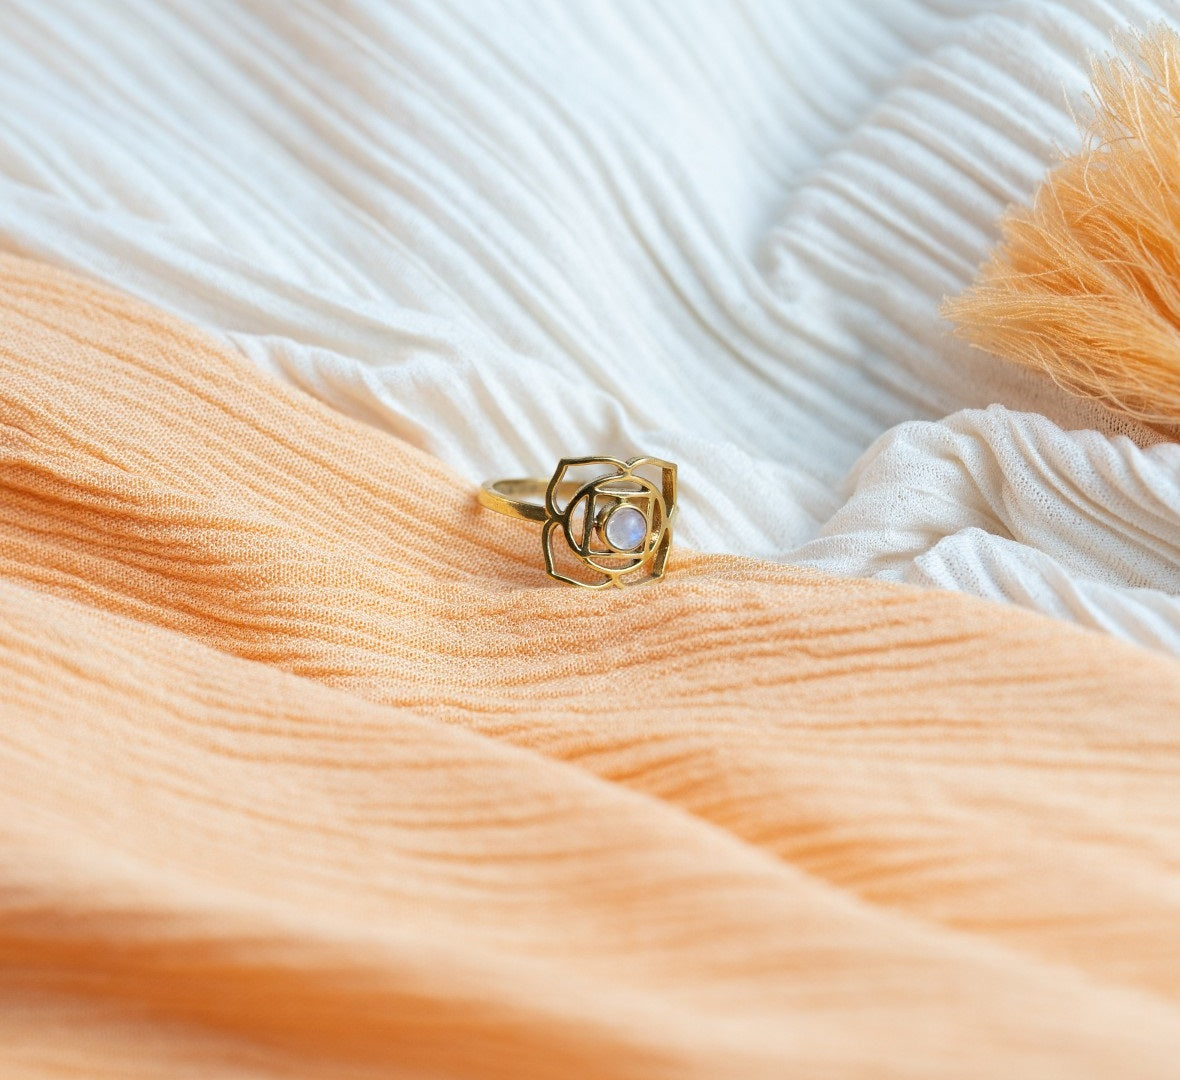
x=625, y=529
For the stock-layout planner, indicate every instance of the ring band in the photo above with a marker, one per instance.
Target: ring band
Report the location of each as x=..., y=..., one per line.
x=604, y=519
x=524, y=499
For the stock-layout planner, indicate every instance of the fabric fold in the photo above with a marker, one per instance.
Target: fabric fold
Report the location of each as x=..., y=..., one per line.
x=304, y=755
x=1011, y=507
x=719, y=234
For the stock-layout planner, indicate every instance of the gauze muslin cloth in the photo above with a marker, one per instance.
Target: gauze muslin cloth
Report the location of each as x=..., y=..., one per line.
x=507, y=231
x=309, y=771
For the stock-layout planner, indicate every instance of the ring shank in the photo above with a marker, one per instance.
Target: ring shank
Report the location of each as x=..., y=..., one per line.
x=523, y=498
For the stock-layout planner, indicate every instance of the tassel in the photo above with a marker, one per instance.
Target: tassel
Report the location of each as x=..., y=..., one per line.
x=1085, y=285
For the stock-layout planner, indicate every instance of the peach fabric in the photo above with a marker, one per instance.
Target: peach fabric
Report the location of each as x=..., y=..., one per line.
x=308, y=771
x=1085, y=285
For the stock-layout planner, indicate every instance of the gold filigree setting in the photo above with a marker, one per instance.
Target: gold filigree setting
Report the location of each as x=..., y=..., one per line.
x=607, y=522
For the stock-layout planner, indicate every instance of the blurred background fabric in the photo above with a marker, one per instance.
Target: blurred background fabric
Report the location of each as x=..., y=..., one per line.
x=715, y=232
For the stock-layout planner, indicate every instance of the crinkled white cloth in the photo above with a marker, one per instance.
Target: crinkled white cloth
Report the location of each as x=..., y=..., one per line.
x=716, y=232
x=1008, y=506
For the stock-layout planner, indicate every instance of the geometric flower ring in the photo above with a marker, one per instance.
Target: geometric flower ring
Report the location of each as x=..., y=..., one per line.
x=605, y=520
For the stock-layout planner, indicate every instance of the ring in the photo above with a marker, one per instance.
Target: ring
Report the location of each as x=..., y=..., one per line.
x=604, y=519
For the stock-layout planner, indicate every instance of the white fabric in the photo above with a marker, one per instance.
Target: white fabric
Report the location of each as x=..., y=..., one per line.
x=1008, y=506
x=714, y=231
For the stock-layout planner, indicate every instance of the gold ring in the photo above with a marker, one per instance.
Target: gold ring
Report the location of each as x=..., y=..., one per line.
x=604, y=519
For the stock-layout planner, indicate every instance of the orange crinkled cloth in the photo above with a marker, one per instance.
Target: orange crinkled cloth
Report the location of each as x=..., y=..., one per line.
x=309, y=771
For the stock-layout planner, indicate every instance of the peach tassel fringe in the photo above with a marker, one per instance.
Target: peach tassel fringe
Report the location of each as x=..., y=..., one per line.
x=1085, y=286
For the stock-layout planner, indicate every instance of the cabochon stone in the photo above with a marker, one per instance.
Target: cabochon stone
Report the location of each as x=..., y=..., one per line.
x=626, y=528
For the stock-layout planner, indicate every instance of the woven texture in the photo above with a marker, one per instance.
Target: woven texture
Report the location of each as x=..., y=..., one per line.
x=511, y=231
x=310, y=772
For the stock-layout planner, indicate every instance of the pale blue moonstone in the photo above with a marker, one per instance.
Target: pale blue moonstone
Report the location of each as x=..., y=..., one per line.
x=626, y=529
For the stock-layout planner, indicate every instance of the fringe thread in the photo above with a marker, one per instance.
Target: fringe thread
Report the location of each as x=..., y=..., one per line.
x=1085, y=286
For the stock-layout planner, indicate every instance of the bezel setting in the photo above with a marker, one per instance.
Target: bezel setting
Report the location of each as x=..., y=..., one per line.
x=644, y=484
